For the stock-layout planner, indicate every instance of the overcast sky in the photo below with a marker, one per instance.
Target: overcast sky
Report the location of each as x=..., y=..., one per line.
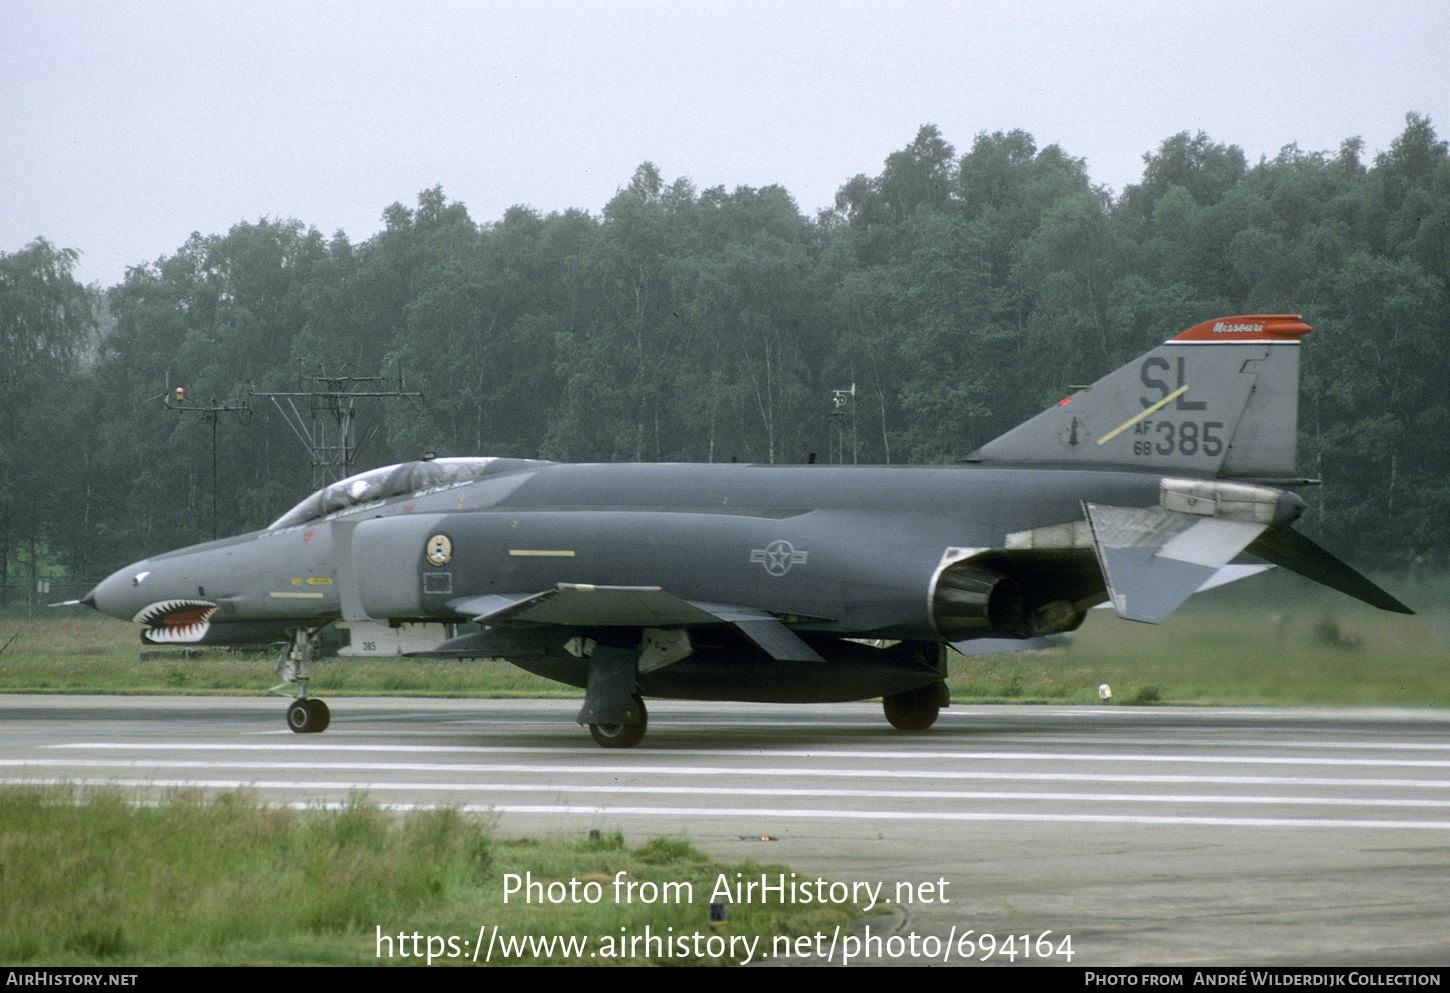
x=125, y=126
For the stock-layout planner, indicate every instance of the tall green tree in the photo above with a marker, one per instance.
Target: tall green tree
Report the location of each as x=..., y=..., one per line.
x=960, y=293
x=46, y=320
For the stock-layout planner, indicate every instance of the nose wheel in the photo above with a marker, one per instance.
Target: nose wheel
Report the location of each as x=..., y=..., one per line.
x=304, y=714
x=308, y=716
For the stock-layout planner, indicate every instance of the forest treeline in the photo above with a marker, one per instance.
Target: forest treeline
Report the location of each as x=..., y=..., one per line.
x=957, y=293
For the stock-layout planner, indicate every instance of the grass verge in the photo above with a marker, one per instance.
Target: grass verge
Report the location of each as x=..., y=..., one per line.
x=93, y=879
x=1280, y=646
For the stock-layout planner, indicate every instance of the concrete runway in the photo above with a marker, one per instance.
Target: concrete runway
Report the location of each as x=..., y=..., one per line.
x=1150, y=835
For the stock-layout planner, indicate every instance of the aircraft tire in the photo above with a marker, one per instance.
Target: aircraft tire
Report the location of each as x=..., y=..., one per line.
x=914, y=710
x=308, y=716
x=320, y=713
x=621, y=735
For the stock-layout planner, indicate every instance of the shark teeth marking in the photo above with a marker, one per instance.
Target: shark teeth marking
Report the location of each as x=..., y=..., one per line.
x=176, y=622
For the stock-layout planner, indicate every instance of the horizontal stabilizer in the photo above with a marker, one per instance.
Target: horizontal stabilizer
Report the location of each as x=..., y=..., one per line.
x=1154, y=559
x=1232, y=574
x=1228, y=574
x=1290, y=550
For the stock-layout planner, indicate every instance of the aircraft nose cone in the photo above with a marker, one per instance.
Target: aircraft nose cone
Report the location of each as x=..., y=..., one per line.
x=122, y=593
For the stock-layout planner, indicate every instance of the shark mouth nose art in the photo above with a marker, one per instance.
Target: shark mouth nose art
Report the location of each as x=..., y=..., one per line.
x=176, y=622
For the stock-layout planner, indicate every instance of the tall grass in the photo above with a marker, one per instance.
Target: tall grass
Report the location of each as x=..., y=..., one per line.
x=95, y=879
x=102, y=880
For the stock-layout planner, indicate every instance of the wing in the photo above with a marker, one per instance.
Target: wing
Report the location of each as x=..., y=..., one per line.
x=579, y=606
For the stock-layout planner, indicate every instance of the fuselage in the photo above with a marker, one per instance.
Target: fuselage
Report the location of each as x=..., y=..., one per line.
x=846, y=550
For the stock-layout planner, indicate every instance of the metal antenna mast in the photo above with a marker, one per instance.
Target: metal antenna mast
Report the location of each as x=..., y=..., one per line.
x=327, y=423
x=211, y=410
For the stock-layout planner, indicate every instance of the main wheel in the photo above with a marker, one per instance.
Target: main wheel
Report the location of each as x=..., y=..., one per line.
x=621, y=735
x=308, y=716
x=914, y=710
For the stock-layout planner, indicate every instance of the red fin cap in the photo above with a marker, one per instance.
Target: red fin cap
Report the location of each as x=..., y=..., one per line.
x=1250, y=327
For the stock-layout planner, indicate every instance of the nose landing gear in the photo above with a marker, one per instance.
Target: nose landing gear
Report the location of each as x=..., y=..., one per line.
x=304, y=715
x=308, y=716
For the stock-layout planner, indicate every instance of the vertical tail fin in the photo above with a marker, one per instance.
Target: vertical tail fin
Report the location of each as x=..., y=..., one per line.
x=1221, y=399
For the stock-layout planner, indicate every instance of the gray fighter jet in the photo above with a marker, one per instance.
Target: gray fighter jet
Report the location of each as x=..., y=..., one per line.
x=783, y=583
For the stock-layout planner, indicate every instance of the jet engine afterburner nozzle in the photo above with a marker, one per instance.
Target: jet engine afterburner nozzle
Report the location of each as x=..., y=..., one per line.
x=968, y=601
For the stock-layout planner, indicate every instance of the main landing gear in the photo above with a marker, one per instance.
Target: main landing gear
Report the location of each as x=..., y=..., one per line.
x=915, y=710
x=622, y=735
x=304, y=715
x=613, y=708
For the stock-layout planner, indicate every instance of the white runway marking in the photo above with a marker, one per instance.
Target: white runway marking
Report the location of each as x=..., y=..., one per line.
x=726, y=771
x=761, y=791
x=777, y=813
x=817, y=753
x=810, y=775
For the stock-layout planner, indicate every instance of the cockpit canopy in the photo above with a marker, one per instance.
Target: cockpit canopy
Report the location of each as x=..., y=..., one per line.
x=389, y=481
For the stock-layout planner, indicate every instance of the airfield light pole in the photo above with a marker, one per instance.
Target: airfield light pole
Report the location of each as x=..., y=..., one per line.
x=329, y=429
x=211, y=410
x=836, y=425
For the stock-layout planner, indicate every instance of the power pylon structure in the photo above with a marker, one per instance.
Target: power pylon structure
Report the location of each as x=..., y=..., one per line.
x=211, y=410
x=323, y=414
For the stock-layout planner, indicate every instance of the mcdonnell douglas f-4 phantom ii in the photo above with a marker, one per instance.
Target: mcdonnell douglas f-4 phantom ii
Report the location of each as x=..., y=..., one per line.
x=786, y=583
